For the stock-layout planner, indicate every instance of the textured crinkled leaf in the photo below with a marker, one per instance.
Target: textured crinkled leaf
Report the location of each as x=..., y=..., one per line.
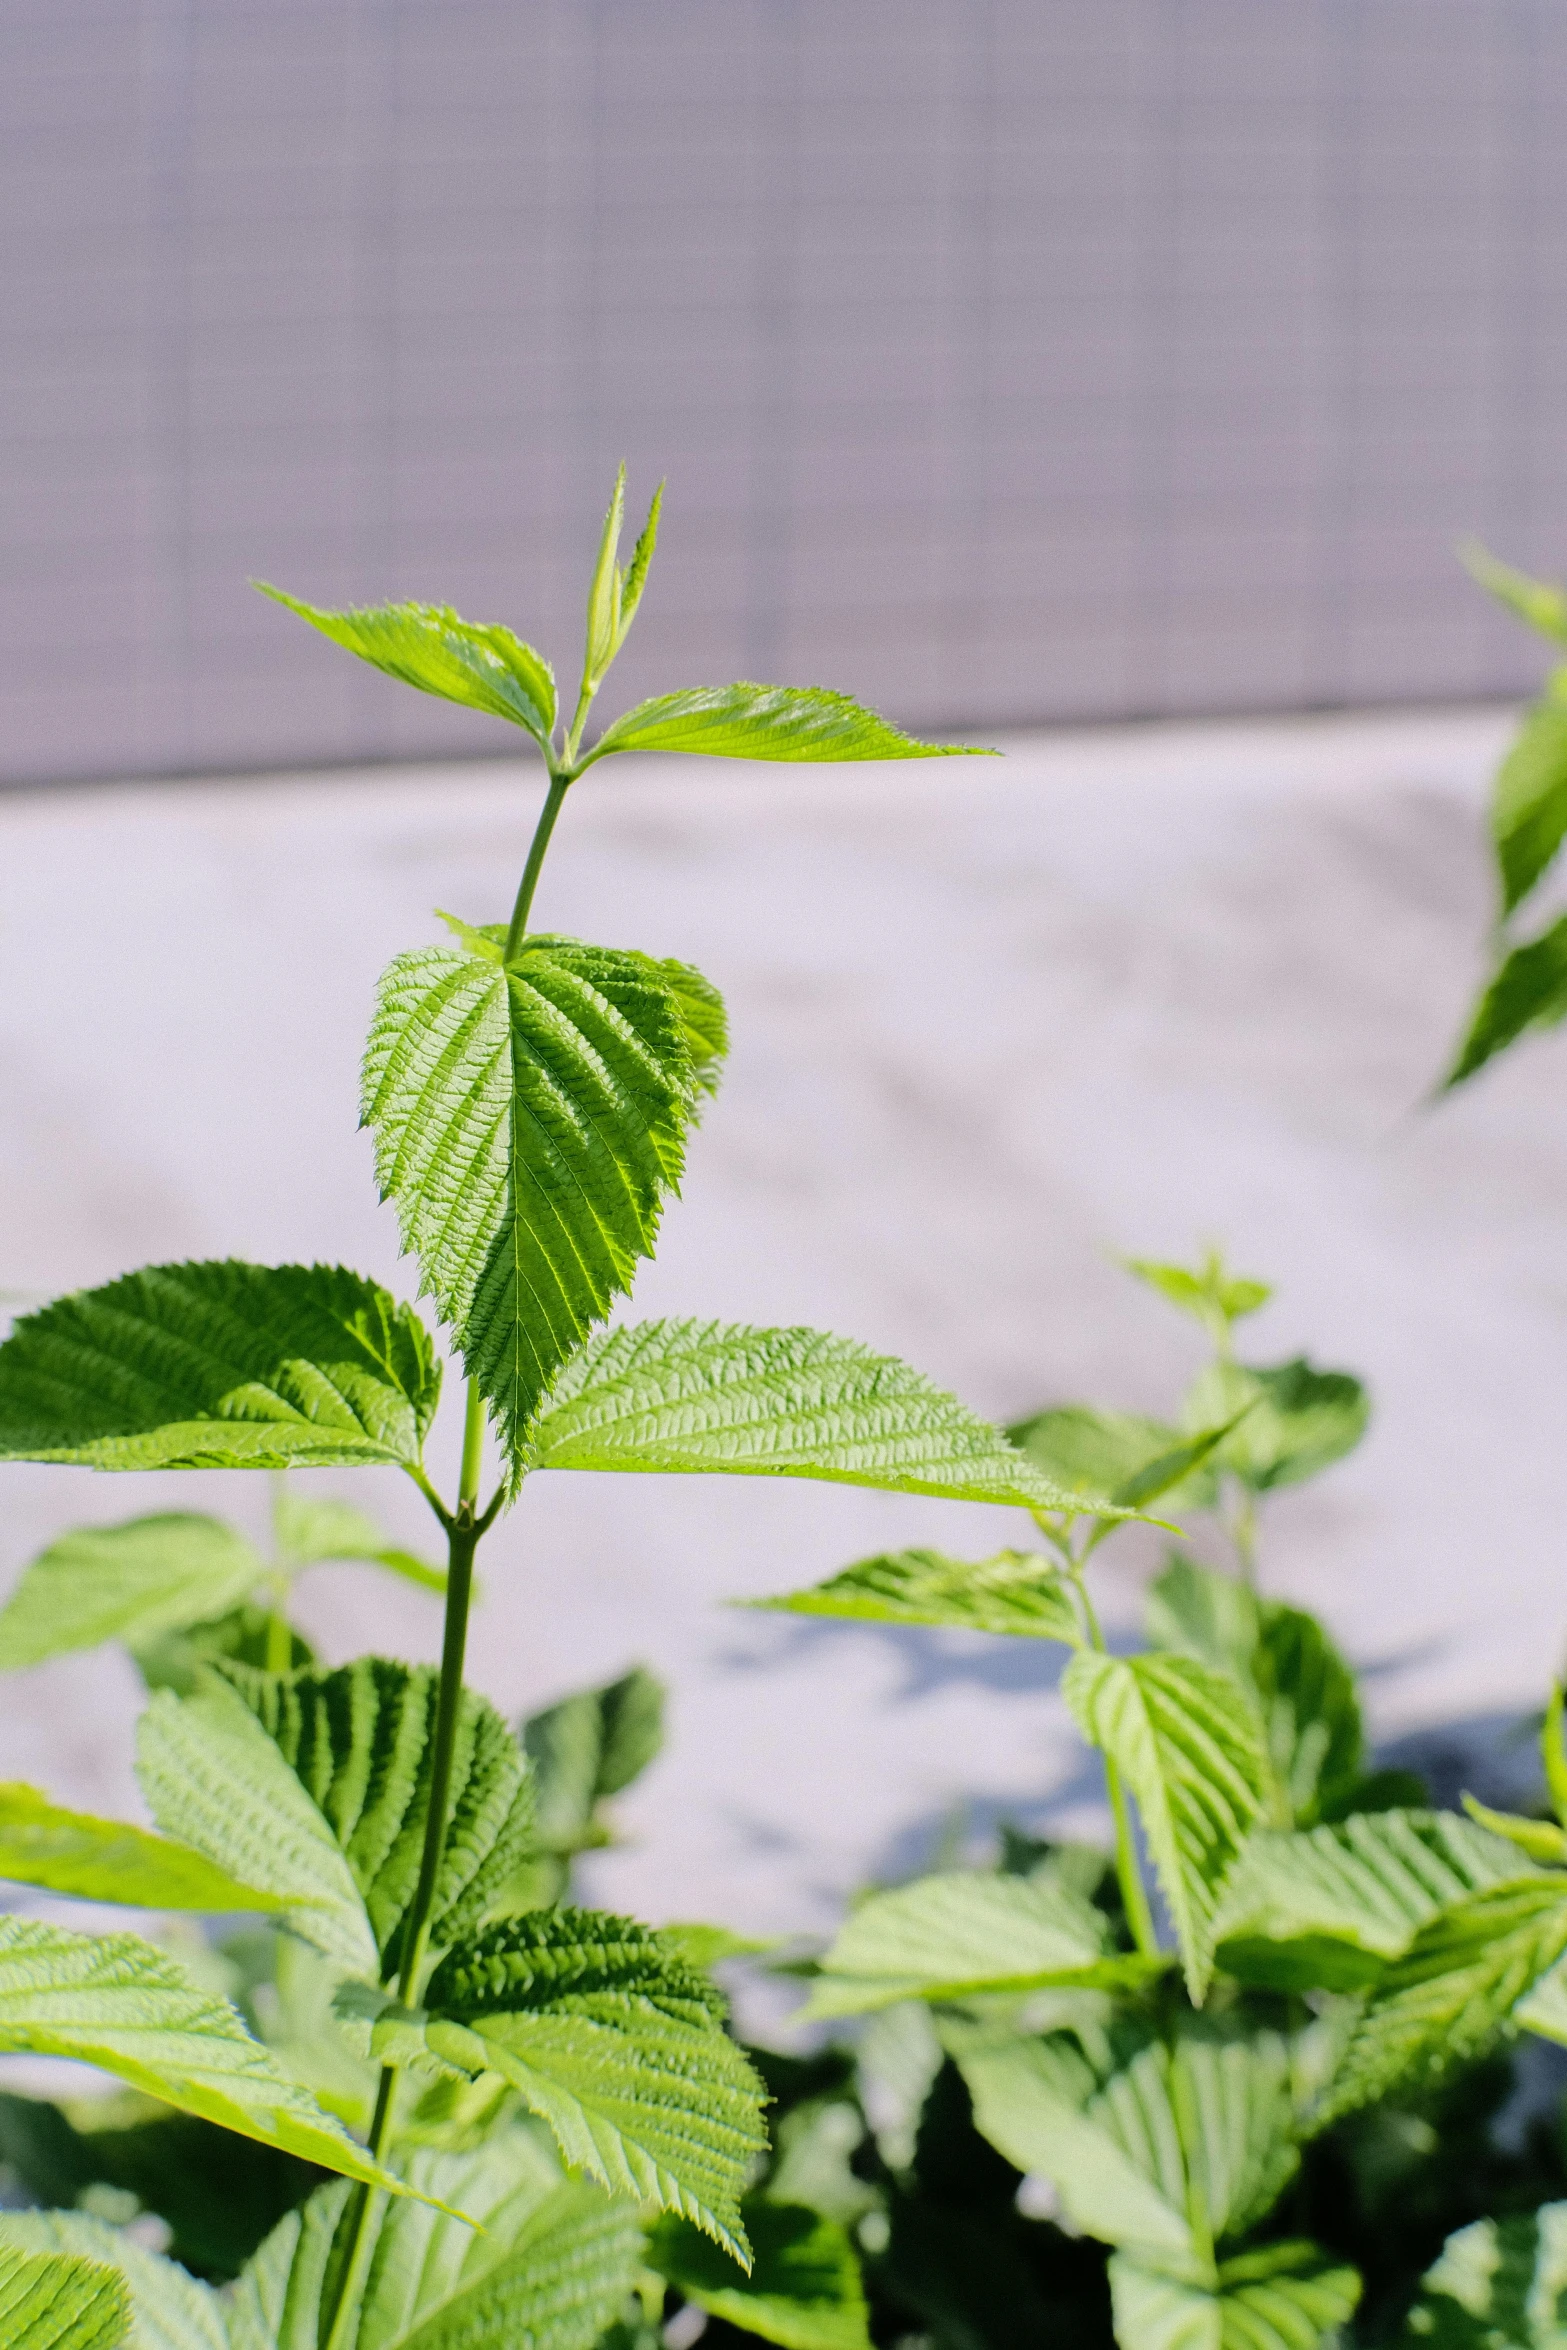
x=530, y=1120
x=308, y=1528
x=213, y=1777
x=720, y=1396
x=1291, y=1420
x=1527, y=990
x=47, y=2303
x=1287, y=2297
x=956, y=1935
x=1328, y=1908
x=549, y=2271
x=168, y=2309
x=106, y=1860
x=1499, y=2284
x=1016, y=1591
x=1209, y=2126
x=745, y=721
x=480, y=665
x=132, y=1583
x=1186, y=1741
x=220, y=1365
x=804, y=2289
x=114, y=2001
x=359, y=1743
x=619, y=2045
x=1453, y=1993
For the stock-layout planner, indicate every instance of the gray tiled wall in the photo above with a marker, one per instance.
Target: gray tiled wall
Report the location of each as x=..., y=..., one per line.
x=1008, y=359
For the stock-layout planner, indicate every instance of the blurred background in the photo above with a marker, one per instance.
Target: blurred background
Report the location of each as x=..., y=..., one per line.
x=1112, y=380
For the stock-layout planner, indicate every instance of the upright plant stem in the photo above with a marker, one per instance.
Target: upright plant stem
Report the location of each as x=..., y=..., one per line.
x=559, y=786
x=462, y=1542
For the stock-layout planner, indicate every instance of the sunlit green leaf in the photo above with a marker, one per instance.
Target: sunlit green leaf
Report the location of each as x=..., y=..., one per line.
x=1292, y=1421
x=1529, y=801
x=106, y=1860
x=1210, y=1292
x=1527, y=990
x=659, y=1396
x=1089, y=1452
x=804, y=2288
x=482, y=666
x=747, y=721
x=1016, y=1592
x=530, y=1121
x=131, y=1583
x=48, y=2303
x=219, y=1366
x=1287, y=2297
x=167, y=2309
x=308, y=1528
x=1499, y=2284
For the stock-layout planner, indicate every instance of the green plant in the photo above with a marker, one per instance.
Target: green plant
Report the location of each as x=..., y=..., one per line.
x=1239, y=2126
x=506, y=2090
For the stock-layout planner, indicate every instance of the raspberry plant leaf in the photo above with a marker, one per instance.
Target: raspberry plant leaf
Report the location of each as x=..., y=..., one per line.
x=1185, y=1739
x=133, y=1582
x=167, y=2308
x=50, y=2303
x=484, y=667
x=960, y=1934
x=1289, y=2296
x=723, y=1397
x=745, y=721
x=114, y=2001
x=1527, y=990
x=530, y=1119
x=1498, y=2284
x=220, y=1365
x=549, y=2264
x=1015, y=1592
x=614, y=2040
x=357, y=1746
x=803, y=2291
x=93, y=1859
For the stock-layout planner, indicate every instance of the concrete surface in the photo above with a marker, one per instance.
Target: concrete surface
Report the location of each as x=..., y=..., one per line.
x=993, y=1023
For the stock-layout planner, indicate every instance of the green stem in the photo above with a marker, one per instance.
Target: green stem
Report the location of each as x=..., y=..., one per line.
x=462, y=1541
x=1244, y=1535
x=1134, y=1893
x=560, y=784
x=280, y=1641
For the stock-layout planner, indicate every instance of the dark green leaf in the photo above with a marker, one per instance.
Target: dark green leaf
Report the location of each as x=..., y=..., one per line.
x=1016, y=1591
x=718, y=1396
x=1292, y=1421
x=530, y=1122
x=220, y=1366
x=1527, y=990
x=747, y=721
x=133, y=1583
x=1500, y=2284
x=482, y=666
x=804, y=2288
x=583, y=1750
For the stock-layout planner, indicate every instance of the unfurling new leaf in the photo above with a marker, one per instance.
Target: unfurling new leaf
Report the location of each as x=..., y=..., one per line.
x=428, y=646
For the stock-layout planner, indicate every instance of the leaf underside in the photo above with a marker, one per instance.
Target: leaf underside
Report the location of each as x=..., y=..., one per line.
x=529, y=1122
x=723, y=1397
x=427, y=646
x=1014, y=1592
x=220, y=1365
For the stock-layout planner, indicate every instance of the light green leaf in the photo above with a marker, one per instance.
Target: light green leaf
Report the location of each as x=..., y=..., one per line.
x=358, y=1743
x=1527, y=990
x=1091, y=1453
x=1291, y=1421
x=105, y=1860
x=1454, y=1991
x=130, y=1583
x=615, y=2042
x=954, y=1936
x=547, y=2268
x=53, y=2304
x=1286, y=2297
x=1542, y=606
x=1016, y=1591
x=168, y=2309
x=1553, y=1750
x=219, y=1366
x=1327, y=1909
x=245, y=1636
x=1210, y=1293
x=1542, y=1840
x=213, y=1777
x=1499, y=2284
x=483, y=666
x=1168, y=2154
x=804, y=2288
x=114, y=2001
x=308, y=1530
x=1198, y=1612
x=1186, y=1742
x=720, y=1396
x=1529, y=801
x=582, y=1751
x=747, y=721
x=614, y=594
x=530, y=1121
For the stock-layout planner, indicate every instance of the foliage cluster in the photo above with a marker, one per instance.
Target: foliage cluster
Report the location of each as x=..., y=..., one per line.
x=1229, y=2087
